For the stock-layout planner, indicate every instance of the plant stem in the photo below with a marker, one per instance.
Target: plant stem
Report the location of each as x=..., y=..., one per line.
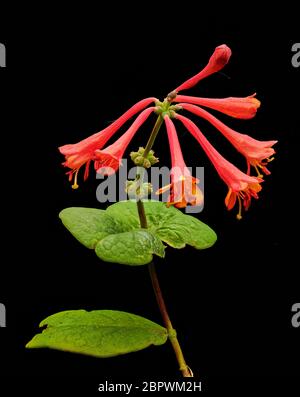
x=186, y=372
x=142, y=214
x=153, y=135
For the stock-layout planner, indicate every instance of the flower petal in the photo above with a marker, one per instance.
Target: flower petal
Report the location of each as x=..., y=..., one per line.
x=231, y=175
x=253, y=149
x=217, y=61
x=241, y=108
x=99, y=139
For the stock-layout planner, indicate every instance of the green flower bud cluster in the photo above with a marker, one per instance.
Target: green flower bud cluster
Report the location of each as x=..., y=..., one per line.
x=165, y=108
x=139, y=159
x=138, y=190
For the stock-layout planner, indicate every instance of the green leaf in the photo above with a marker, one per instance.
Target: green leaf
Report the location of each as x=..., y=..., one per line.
x=116, y=235
x=185, y=229
x=89, y=225
x=130, y=248
x=99, y=333
x=169, y=224
x=126, y=212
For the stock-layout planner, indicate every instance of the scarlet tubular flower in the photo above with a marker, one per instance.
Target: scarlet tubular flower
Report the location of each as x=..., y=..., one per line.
x=183, y=187
x=108, y=160
x=241, y=187
x=240, y=108
x=257, y=153
x=83, y=152
x=217, y=61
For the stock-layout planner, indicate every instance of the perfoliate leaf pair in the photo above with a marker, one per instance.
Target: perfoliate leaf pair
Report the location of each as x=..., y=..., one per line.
x=116, y=236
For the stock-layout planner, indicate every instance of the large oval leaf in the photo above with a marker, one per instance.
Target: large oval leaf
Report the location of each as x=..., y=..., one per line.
x=130, y=248
x=99, y=333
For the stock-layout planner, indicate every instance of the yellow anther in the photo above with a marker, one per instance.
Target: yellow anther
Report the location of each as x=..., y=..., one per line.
x=239, y=214
x=75, y=185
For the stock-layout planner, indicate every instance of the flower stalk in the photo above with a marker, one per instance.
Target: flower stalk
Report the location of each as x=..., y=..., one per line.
x=153, y=135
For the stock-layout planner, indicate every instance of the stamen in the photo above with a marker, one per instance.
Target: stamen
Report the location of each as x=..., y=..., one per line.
x=257, y=170
x=75, y=185
x=239, y=215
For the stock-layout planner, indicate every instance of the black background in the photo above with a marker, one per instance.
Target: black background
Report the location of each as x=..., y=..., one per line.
x=67, y=77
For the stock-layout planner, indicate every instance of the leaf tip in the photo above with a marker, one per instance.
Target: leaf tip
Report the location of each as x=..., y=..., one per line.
x=31, y=344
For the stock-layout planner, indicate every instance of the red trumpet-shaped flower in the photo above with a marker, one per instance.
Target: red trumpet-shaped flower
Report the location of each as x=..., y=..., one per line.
x=242, y=187
x=217, y=61
x=108, y=160
x=240, y=108
x=83, y=152
x=257, y=153
x=183, y=187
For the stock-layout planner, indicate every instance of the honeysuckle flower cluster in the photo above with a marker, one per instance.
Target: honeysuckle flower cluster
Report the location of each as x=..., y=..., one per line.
x=242, y=186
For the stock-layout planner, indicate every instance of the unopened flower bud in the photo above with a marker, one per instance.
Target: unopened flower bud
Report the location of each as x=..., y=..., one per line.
x=134, y=155
x=146, y=163
x=139, y=159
